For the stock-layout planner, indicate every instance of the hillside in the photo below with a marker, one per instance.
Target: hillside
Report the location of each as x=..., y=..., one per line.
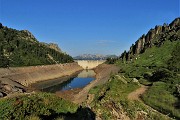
x=153, y=61
x=146, y=87
x=155, y=37
x=21, y=48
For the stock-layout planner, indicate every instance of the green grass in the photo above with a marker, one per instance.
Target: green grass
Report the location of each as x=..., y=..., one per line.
x=114, y=96
x=34, y=106
x=158, y=66
x=161, y=99
x=152, y=59
x=145, y=82
x=156, y=56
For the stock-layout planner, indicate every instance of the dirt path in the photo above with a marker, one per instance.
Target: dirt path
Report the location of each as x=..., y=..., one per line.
x=135, y=95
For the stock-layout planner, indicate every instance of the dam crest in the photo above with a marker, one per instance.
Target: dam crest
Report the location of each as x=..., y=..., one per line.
x=89, y=64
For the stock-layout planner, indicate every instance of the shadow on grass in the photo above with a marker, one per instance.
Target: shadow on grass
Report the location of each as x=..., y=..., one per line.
x=80, y=114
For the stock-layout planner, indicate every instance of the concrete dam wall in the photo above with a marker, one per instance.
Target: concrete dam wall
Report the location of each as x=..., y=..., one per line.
x=89, y=64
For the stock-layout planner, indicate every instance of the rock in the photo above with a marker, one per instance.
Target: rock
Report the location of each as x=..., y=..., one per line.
x=1, y=26
x=135, y=80
x=8, y=87
x=54, y=46
x=121, y=78
x=14, y=89
x=21, y=90
x=28, y=34
x=140, y=44
x=175, y=23
x=1, y=94
x=158, y=29
x=10, y=82
x=156, y=36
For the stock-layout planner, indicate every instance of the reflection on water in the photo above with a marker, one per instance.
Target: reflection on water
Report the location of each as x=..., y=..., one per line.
x=66, y=83
x=86, y=74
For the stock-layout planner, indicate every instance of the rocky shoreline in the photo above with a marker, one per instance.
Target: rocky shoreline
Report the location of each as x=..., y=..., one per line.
x=17, y=80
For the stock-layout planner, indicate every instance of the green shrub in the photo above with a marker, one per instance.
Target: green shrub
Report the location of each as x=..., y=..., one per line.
x=174, y=63
x=161, y=74
x=144, y=82
x=147, y=75
x=42, y=104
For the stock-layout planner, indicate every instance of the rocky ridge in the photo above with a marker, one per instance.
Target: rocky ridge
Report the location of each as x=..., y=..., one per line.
x=53, y=46
x=154, y=37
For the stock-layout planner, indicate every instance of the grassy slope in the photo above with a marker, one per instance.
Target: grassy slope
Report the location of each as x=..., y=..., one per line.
x=156, y=56
x=39, y=105
x=161, y=95
x=113, y=97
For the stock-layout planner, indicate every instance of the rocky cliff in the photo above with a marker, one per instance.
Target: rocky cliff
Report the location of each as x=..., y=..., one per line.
x=154, y=37
x=53, y=46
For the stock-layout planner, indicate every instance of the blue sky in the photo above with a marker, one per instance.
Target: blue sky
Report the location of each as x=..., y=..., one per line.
x=88, y=26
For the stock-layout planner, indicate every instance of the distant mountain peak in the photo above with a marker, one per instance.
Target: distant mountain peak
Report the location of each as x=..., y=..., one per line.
x=94, y=57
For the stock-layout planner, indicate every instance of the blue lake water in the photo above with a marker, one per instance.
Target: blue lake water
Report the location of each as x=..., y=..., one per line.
x=78, y=80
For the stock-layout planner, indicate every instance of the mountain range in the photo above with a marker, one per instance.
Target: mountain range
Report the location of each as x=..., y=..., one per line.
x=94, y=57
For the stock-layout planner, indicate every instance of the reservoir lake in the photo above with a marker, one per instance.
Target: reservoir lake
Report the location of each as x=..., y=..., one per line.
x=78, y=80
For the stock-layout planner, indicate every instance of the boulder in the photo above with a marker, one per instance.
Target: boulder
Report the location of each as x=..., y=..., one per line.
x=1, y=94
x=135, y=80
x=8, y=87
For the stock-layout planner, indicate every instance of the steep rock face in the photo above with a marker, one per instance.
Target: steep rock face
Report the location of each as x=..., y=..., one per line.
x=28, y=34
x=154, y=36
x=54, y=46
x=175, y=23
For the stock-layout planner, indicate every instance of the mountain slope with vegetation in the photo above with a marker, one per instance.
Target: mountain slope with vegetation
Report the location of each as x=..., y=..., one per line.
x=21, y=48
x=154, y=61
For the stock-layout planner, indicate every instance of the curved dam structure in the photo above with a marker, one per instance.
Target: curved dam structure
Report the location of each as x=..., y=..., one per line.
x=89, y=64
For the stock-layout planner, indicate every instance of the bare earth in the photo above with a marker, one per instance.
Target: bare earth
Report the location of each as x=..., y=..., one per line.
x=135, y=95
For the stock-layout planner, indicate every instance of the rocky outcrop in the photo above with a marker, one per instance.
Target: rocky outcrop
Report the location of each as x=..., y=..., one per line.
x=54, y=46
x=28, y=75
x=1, y=26
x=156, y=37
x=28, y=34
x=8, y=87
